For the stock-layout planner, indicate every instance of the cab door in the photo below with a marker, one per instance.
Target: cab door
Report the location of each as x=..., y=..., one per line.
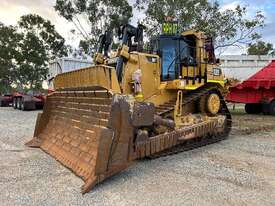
x=168, y=58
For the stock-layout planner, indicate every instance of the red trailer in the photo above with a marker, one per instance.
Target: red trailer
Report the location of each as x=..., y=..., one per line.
x=23, y=101
x=5, y=100
x=28, y=101
x=257, y=92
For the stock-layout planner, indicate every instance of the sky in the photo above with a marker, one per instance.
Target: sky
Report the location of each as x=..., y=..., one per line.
x=11, y=10
x=268, y=9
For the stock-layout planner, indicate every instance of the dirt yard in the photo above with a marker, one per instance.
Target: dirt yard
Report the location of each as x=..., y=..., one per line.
x=237, y=171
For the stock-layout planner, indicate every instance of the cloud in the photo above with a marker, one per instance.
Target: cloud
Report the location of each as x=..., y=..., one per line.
x=12, y=10
x=231, y=5
x=267, y=7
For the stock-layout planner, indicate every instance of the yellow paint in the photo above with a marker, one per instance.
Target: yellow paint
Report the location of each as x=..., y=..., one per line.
x=220, y=82
x=125, y=52
x=139, y=97
x=95, y=76
x=99, y=58
x=153, y=89
x=213, y=104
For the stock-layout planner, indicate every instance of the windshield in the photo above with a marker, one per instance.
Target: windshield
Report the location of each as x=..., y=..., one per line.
x=168, y=54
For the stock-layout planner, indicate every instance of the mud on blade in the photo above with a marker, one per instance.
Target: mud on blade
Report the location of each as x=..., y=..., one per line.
x=73, y=128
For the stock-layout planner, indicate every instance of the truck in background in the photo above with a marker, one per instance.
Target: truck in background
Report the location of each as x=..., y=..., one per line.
x=28, y=101
x=23, y=101
x=257, y=92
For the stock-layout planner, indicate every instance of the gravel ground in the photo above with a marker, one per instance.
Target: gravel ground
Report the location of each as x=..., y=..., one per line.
x=238, y=171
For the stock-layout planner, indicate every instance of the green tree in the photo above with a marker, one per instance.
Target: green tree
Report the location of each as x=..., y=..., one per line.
x=41, y=43
x=10, y=41
x=227, y=27
x=25, y=52
x=260, y=48
x=99, y=15
x=33, y=68
x=53, y=42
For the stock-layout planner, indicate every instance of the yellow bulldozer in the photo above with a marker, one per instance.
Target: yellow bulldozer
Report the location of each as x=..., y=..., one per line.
x=137, y=104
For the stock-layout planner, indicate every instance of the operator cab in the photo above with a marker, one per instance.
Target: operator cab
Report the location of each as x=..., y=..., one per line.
x=175, y=52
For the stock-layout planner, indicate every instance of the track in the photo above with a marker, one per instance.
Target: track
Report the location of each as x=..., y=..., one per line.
x=202, y=140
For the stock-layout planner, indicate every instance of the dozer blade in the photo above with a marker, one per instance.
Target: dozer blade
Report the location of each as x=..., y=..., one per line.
x=74, y=128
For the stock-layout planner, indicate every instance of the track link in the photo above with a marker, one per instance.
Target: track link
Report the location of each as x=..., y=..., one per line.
x=199, y=141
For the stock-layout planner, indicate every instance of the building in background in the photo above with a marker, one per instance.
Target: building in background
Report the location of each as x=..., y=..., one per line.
x=242, y=67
